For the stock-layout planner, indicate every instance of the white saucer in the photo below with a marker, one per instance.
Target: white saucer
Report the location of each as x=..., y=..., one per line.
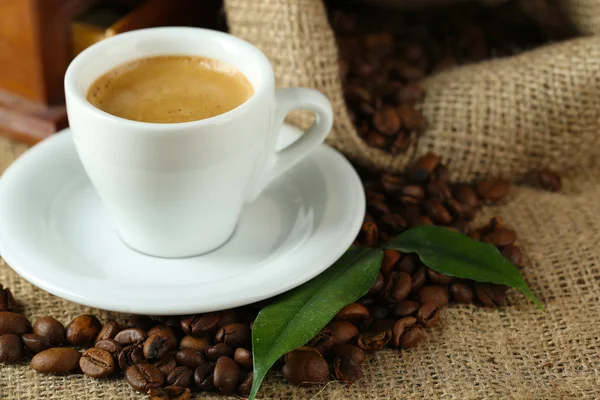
x=55, y=232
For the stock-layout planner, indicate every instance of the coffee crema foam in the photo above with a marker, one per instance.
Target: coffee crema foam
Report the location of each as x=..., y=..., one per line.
x=170, y=89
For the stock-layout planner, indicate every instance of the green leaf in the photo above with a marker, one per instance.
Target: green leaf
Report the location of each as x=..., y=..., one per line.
x=455, y=254
x=298, y=315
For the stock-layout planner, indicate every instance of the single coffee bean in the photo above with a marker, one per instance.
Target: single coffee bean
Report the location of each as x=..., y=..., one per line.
x=143, y=377
x=131, y=336
x=322, y=342
x=298, y=352
x=11, y=322
x=181, y=376
x=51, y=329
x=412, y=120
x=374, y=341
x=369, y=234
x=158, y=345
x=108, y=331
x=429, y=314
x=213, y=353
x=170, y=393
x=36, y=343
x=402, y=287
x=461, y=293
x=418, y=279
x=490, y=293
x=500, y=237
x=408, y=264
x=350, y=351
x=390, y=259
x=412, y=337
x=83, y=330
x=226, y=375
x=465, y=195
x=386, y=121
x=56, y=360
x=191, y=358
x=437, y=212
x=200, y=324
x=11, y=349
x=204, y=378
x=110, y=345
x=306, y=368
x=234, y=335
x=243, y=357
x=406, y=308
x=346, y=370
x=196, y=343
x=131, y=355
x=7, y=301
x=513, y=254
x=353, y=312
x=378, y=285
x=97, y=363
x=401, y=327
x=392, y=184
x=246, y=385
x=166, y=364
x=167, y=332
x=439, y=278
x=435, y=293
x=494, y=223
x=493, y=189
x=550, y=180
x=142, y=322
x=430, y=161
x=227, y=317
x=412, y=194
x=342, y=331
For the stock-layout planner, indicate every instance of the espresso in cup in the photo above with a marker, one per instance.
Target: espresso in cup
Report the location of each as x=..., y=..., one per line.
x=170, y=89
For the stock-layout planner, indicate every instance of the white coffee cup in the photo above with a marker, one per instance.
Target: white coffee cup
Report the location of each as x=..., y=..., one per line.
x=177, y=190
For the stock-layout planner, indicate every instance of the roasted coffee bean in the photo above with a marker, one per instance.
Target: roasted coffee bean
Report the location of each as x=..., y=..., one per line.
x=142, y=322
x=131, y=336
x=401, y=327
x=7, y=301
x=11, y=349
x=381, y=325
x=346, y=370
x=493, y=189
x=200, y=324
x=373, y=341
x=353, y=312
x=36, y=343
x=228, y=317
x=51, y=329
x=386, y=121
x=500, y=237
x=410, y=94
x=226, y=375
x=439, y=278
x=412, y=194
x=438, y=192
x=418, y=279
x=406, y=308
x=435, y=293
x=108, y=331
x=204, y=377
x=378, y=285
x=369, y=234
x=170, y=393
x=376, y=140
x=190, y=358
x=110, y=345
x=342, y=331
x=512, y=253
x=401, y=288
x=412, y=337
x=196, y=343
x=401, y=144
x=305, y=368
x=437, y=212
x=427, y=163
x=461, y=293
x=408, y=264
x=143, y=377
x=83, y=330
x=243, y=357
x=234, y=335
x=181, y=376
x=246, y=385
x=322, y=342
x=350, y=351
x=213, y=353
x=159, y=344
x=390, y=259
x=494, y=223
x=97, y=363
x=392, y=184
x=11, y=322
x=166, y=365
x=411, y=119
x=378, y=311
x=490, y=293
x=131, y=355
x=56, y=360
x=467, y=196
x=550, y=180
x=428, y=314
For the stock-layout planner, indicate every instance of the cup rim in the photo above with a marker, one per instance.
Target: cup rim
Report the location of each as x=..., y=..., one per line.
x=87, y=56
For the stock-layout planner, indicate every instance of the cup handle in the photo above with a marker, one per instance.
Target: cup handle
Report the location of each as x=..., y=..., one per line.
x=280, y=161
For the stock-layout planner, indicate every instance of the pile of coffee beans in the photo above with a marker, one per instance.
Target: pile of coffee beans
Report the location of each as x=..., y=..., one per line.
x=169, y=357
x=384, y=54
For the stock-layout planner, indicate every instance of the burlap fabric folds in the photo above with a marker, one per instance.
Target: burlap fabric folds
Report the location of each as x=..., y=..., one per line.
x=541, y=108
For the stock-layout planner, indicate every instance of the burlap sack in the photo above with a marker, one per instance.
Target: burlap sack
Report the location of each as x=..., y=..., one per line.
x=515, y=351
x=504, y=117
